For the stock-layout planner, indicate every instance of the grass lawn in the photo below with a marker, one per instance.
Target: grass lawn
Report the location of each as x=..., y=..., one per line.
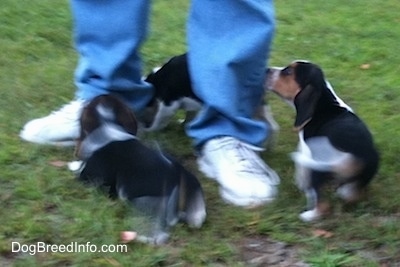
x=357, y=44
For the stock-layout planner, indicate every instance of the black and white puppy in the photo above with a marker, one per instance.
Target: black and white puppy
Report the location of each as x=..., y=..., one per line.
x=150, y=180
x=334, y=144
x=173, y=91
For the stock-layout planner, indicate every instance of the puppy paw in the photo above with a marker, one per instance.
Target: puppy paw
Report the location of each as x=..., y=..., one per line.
x=350, y=193
x=76, y=166
x=156, y=240
x=196, y=219
x=310, y=215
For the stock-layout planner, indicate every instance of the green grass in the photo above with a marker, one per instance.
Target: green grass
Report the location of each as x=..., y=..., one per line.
x=42, y=203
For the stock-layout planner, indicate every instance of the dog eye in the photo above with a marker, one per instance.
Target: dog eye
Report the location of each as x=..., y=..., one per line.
x=287, y=71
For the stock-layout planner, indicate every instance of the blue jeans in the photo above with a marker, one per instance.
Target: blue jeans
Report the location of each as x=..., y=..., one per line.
x=228, y=48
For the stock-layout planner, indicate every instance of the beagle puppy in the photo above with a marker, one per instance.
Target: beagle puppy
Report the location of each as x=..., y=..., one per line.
x=153, y=182
x=173, y=91
x=334, y=144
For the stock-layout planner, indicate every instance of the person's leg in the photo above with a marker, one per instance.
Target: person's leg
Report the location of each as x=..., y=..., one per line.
x=108, y=35
x=229, y=43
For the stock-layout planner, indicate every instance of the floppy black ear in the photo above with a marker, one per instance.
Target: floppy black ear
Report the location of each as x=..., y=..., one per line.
x=306, y=102
x=126, y=118
x=123, y=114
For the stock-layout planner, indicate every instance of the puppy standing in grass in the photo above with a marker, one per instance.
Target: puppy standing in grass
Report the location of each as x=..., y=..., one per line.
x=334, y=144
x=173, y=91
x=154, y=183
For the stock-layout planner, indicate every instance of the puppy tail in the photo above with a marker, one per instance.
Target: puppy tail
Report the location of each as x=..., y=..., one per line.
x=319, y=154
x=328, y=165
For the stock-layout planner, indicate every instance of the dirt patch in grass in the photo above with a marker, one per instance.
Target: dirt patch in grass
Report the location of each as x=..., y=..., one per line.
x=263, y=251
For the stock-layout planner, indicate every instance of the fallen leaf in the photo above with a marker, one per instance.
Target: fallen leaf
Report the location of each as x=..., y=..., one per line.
x=322, y=233
x=127, y=236
x=58, y=163
x=365, y=66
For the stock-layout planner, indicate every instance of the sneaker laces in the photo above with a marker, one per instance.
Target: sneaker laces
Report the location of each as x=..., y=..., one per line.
x=69, y=111
x=245, y=159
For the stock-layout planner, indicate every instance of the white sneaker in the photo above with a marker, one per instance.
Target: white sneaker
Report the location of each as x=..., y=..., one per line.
x=244, y=179
x=61, y=127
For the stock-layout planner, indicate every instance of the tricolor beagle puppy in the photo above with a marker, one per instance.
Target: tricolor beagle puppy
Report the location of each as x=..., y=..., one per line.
x=173, y=91
x=334, y=144
x=153, y=182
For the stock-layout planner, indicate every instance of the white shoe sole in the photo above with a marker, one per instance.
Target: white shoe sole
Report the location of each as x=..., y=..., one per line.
x=228, y=197
x=66, y=143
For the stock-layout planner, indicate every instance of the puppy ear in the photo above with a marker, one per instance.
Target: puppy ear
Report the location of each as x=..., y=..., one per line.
x=88, y=121
x=126, y=119
x=306, y=102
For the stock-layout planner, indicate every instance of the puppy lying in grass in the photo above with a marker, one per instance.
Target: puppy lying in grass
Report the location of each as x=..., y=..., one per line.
x=153, y=183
